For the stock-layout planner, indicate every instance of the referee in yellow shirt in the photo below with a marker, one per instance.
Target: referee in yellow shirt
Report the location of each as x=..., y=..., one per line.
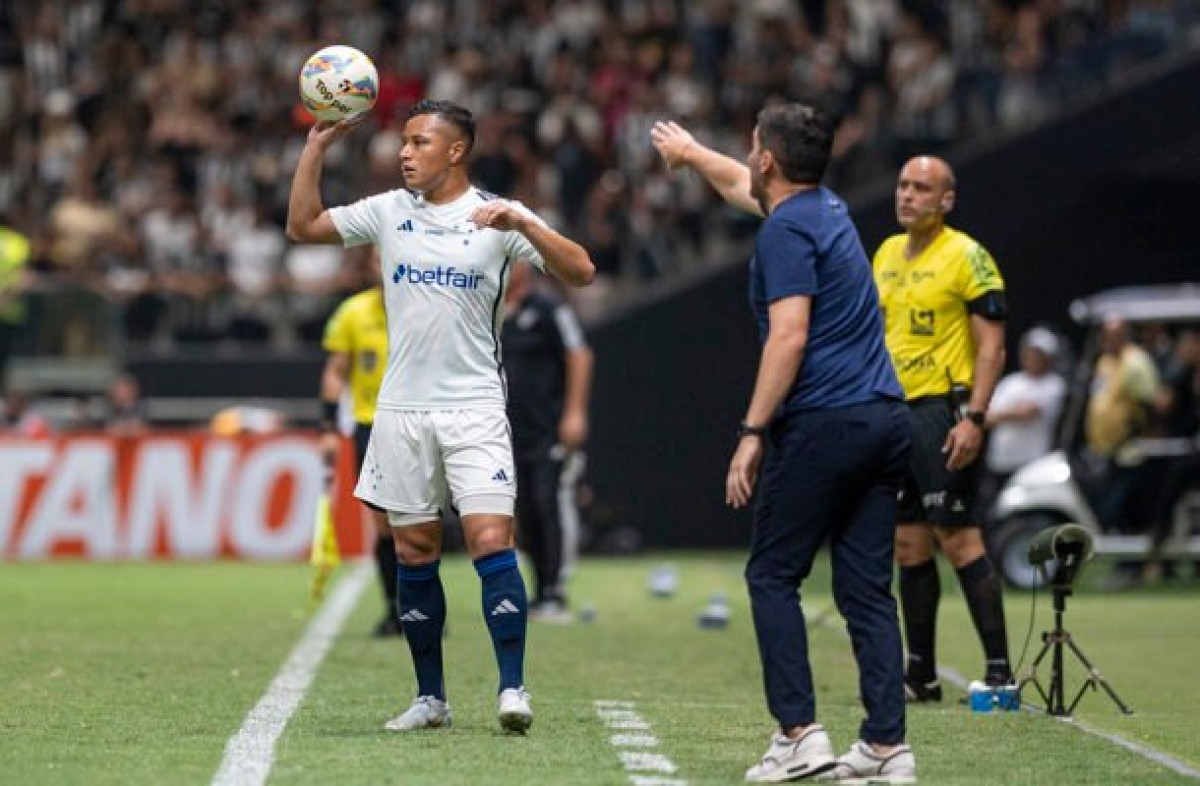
x=944, y=314
x=356, y=339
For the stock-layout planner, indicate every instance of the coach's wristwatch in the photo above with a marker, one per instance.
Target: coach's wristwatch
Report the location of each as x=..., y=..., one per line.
x=744, y=429
x=976, y=416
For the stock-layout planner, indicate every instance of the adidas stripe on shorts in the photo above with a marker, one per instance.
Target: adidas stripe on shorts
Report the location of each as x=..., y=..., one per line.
x=418, y=461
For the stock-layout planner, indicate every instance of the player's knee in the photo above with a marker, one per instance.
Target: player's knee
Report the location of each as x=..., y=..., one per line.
x=488, y=534
x=962, y=545
x=913, y=545
x=419, y=545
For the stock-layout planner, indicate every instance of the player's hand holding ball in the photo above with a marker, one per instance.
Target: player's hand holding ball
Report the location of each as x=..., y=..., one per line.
x=326, y=132
x=338, y=86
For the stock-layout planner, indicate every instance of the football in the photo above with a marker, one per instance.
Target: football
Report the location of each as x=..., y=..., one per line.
x=338, y=82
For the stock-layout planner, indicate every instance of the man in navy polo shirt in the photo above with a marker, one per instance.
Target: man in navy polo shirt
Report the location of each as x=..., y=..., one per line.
x=827, y=402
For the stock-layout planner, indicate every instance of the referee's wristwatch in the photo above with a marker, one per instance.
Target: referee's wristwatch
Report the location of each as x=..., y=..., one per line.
x=976, y=416
x=744, y=429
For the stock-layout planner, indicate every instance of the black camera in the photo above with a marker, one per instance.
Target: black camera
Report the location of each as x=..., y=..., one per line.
x=1059, y=552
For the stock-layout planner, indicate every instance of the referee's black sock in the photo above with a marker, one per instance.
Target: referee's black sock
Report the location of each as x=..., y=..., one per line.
x=920, y=591
x=386, y=562
x=981, y=585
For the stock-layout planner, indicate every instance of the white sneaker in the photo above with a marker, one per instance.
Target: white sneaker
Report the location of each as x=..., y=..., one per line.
x=426, y=712
x=515, y=714
x=861, y=766
x=553, y=612
x=792, y=760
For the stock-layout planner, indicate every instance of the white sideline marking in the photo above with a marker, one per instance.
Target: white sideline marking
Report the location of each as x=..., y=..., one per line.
x=623, y=715
x=633, y=740
x=250, y=752
x=826, y=619
x=1145, y=751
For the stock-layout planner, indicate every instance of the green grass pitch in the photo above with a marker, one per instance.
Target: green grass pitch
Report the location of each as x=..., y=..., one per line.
x=140, y=673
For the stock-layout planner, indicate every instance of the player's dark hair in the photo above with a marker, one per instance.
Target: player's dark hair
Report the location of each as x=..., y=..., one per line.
x=800, y=138
x=458, y=116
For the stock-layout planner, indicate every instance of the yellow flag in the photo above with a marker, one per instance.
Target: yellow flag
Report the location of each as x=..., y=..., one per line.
x=325, y=554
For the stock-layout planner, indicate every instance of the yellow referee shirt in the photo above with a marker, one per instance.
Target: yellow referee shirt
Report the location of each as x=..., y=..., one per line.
x=359, y=328
x=926, y=322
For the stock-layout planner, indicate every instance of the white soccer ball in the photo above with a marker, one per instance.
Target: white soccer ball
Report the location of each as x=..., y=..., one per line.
x=338, y=82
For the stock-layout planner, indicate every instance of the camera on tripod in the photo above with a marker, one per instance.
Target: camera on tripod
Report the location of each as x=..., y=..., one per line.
x=1059, y=553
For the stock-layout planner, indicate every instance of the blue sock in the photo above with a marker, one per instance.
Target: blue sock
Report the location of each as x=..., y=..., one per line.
x=505, y=607
x=422, y=604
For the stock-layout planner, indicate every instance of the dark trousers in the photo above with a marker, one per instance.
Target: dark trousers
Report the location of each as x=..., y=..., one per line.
x=545, y=509
x=835, y=474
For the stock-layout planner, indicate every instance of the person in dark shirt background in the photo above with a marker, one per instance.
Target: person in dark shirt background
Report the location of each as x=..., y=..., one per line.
x=548, y=365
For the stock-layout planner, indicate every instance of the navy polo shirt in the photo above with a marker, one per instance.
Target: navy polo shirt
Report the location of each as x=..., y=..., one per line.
x=810, y=246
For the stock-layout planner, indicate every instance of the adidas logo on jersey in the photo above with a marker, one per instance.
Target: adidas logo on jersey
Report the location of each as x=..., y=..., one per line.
x=407, y=226
x=500, y=477
x=505, y=606
x=438, y=276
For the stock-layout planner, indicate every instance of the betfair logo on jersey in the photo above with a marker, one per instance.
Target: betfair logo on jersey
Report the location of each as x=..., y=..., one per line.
x=437, y=276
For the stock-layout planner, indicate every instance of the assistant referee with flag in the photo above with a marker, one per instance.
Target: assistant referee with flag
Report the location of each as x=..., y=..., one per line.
x=356, y=339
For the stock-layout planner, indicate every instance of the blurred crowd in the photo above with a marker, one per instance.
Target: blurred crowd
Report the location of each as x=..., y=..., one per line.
x=146, y=146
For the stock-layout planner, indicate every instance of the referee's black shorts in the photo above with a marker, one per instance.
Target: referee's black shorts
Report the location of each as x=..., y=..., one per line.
x=933, y=494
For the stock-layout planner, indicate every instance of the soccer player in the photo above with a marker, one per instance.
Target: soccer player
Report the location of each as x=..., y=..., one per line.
x=827, y=402
x=944, y=312
x=356, y=339
x=441, y=436
x=549, y=368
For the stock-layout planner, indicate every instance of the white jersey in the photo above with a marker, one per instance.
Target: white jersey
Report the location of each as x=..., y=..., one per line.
x=1016, y=443
x=443, y=285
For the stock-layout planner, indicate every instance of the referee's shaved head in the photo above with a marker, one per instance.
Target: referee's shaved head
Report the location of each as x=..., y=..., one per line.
x=925, y=193
x=937, y=167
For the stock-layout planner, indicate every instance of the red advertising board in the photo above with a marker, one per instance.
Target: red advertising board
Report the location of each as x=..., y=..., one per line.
x=169, y=496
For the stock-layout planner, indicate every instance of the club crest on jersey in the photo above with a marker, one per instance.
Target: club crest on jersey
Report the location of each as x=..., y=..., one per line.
x=437, y=276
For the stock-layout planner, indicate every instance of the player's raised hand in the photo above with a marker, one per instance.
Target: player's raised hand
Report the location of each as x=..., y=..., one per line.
x=672, y=141
x=326, y=132
x=498, y=214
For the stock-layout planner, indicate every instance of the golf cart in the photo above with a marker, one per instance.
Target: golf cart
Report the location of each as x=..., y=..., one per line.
x=1063, y=486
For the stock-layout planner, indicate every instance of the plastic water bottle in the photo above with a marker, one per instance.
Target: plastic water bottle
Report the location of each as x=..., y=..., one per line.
x=980, y=696
x=1008, y=697
x=715, y=614
x=985, y=698
x=664, y=580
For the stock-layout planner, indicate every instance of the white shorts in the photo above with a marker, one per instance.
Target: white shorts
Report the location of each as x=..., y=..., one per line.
x=419, y=460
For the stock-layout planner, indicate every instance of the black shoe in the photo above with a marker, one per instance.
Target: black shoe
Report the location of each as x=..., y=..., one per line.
x=999, y=679
x=920, y=692
x=388, y=626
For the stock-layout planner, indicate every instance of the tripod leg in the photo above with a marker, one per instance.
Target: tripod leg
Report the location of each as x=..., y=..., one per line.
x=1095, y=678
x=1032, y=678
x=1057, y=685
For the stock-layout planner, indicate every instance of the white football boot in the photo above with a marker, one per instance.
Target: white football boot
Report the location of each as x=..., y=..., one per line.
x=426, y=712
x=514, y=713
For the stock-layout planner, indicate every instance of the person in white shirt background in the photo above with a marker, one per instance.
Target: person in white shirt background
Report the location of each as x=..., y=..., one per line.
x=1023, y=414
